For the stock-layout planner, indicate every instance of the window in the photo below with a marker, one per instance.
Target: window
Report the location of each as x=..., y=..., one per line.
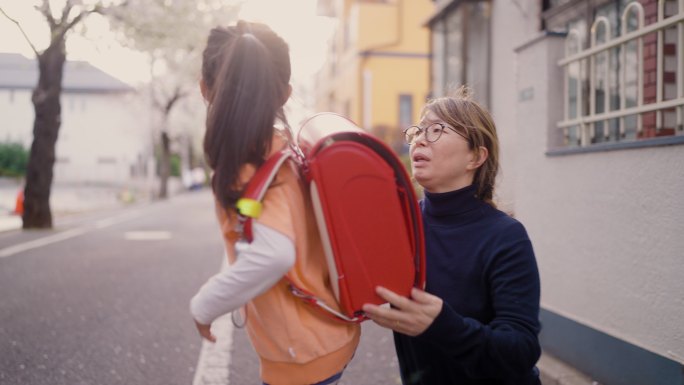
x=453, y=49
x=624, y=70
x=405, y=111
x=460, y=38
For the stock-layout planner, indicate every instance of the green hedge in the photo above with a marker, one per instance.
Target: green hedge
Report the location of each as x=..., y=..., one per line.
x=175, y=165
x=13, y=159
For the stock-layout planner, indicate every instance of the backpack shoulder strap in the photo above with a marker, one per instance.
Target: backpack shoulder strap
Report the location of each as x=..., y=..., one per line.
x=249, y=205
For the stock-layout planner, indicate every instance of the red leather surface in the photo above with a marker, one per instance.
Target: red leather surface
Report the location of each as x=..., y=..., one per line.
x=364, y=216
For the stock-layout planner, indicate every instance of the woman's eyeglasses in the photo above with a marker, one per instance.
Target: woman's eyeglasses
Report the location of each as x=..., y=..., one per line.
x=432, y=133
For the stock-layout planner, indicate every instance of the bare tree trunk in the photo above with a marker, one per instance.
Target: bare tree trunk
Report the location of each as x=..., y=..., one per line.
x=164, y=165
x=48, y=109
x=165, y=156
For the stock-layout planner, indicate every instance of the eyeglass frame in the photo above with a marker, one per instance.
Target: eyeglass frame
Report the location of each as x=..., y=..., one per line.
x=425, y=132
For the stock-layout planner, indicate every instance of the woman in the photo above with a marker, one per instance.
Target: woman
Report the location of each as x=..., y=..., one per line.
x=477, y=320
x=245, y=80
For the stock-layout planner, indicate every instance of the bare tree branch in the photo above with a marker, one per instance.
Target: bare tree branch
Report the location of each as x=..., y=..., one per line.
x=98, y=8
x=65, y=28
x=33, y=47
x=76, y=20
x=156, y=99
x=46, y=11
x=178, y=94
x=66, y=11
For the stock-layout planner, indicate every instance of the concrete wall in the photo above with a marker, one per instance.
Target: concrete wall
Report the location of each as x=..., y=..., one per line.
x=511, y=26
x=606, y=226
x=102, y=138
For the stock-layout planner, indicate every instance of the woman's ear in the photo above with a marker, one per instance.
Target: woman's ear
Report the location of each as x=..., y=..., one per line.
x=204, y=90
x=478, y=158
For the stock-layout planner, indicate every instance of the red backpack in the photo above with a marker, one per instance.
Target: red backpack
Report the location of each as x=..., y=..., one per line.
x=365, y=206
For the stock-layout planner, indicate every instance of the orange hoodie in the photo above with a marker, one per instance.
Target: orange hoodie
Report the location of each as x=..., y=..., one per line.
x=296, y=343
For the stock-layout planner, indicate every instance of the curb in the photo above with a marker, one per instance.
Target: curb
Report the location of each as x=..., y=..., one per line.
x=10, y=222
x=556, y=372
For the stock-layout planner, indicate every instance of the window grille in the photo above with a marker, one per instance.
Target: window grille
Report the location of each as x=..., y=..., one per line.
x=629, y=85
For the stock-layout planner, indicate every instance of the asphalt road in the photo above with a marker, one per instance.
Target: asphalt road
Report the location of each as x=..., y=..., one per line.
x=103, y=299
x=98, y=308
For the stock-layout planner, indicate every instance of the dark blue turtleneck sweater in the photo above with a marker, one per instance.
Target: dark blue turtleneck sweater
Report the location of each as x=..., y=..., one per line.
x=481, y=263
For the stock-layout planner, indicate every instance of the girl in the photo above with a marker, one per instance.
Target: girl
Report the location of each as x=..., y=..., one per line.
x=477, y=322
x=245, y=80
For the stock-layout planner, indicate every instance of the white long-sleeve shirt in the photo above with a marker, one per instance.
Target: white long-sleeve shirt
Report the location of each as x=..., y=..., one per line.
x=259, y=265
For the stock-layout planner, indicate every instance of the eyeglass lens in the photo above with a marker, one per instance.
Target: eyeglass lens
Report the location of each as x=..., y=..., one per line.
x=432, y=132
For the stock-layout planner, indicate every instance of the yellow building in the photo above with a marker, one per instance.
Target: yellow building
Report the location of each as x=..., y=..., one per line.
x=377, y=70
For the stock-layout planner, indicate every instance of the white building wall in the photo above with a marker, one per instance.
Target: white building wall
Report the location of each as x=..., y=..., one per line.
x=606, y=226
x=101, y=137
x=511, y=26
x=15, y=107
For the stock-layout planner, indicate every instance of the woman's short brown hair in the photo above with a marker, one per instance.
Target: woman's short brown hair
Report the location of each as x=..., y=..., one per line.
x=459, y=110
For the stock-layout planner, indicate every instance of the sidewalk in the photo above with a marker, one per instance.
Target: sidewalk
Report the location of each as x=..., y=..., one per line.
x=69, y=199
x=556, y=372
x=9, y=222
x=8, y=194
x=63, y=201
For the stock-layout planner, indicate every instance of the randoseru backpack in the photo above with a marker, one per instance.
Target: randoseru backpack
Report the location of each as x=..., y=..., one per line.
x=365, y=207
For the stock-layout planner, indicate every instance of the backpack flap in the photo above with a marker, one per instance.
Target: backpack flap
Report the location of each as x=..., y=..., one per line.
x=366, y=210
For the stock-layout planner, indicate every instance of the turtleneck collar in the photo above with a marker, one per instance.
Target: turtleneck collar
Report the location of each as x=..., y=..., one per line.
x=452, y=203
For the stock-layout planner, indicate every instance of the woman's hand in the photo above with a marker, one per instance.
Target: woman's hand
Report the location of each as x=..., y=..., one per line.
x=410, y=316
x=205, y=331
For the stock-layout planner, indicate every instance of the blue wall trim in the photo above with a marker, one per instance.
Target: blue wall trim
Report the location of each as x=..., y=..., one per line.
x=604, y=358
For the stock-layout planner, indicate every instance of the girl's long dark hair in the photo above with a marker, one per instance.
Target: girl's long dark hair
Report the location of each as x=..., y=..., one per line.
x=246, y=70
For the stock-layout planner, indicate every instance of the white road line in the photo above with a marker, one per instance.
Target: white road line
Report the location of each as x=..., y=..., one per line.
x=7, y=251
x=214, y=359
x=101, y=224
x=213, y=365
x=64, y=235
x=147, y=235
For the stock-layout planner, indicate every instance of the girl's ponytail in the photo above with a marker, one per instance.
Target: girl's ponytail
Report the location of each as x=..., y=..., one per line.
x=244, y=100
